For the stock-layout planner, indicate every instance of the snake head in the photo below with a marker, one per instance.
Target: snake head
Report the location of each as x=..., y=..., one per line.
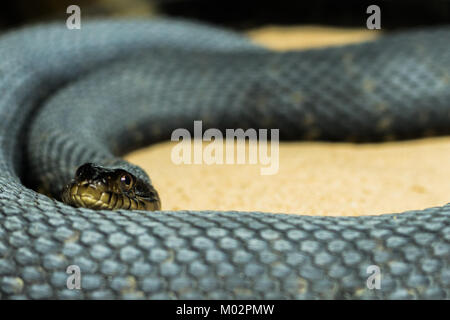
x=97, y=187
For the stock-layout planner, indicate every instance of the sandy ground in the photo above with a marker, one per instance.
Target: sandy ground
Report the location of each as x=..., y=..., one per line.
x=313, y=178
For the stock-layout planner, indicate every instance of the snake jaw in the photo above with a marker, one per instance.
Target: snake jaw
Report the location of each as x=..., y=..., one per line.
x=84, y=196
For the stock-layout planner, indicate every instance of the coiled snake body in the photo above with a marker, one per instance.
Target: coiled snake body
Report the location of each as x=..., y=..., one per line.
x=74, y=96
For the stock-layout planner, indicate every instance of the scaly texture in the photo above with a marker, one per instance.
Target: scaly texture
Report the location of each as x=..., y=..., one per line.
x=69, y=97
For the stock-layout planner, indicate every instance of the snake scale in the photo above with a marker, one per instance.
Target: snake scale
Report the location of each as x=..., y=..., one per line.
x=73, y=96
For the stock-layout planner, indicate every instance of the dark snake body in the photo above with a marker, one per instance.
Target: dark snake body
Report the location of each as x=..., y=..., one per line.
x=89, y=95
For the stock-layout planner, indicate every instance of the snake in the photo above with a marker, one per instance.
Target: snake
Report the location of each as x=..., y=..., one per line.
x=73, y=102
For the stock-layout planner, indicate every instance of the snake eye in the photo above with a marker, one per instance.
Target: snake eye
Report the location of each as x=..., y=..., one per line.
x=126, y=180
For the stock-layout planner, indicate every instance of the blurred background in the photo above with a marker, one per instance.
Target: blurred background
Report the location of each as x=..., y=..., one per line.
x=314, y=178
x=237, y=14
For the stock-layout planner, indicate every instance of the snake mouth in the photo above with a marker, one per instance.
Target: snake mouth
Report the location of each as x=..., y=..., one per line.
x=98, y=188
x=88, y=195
